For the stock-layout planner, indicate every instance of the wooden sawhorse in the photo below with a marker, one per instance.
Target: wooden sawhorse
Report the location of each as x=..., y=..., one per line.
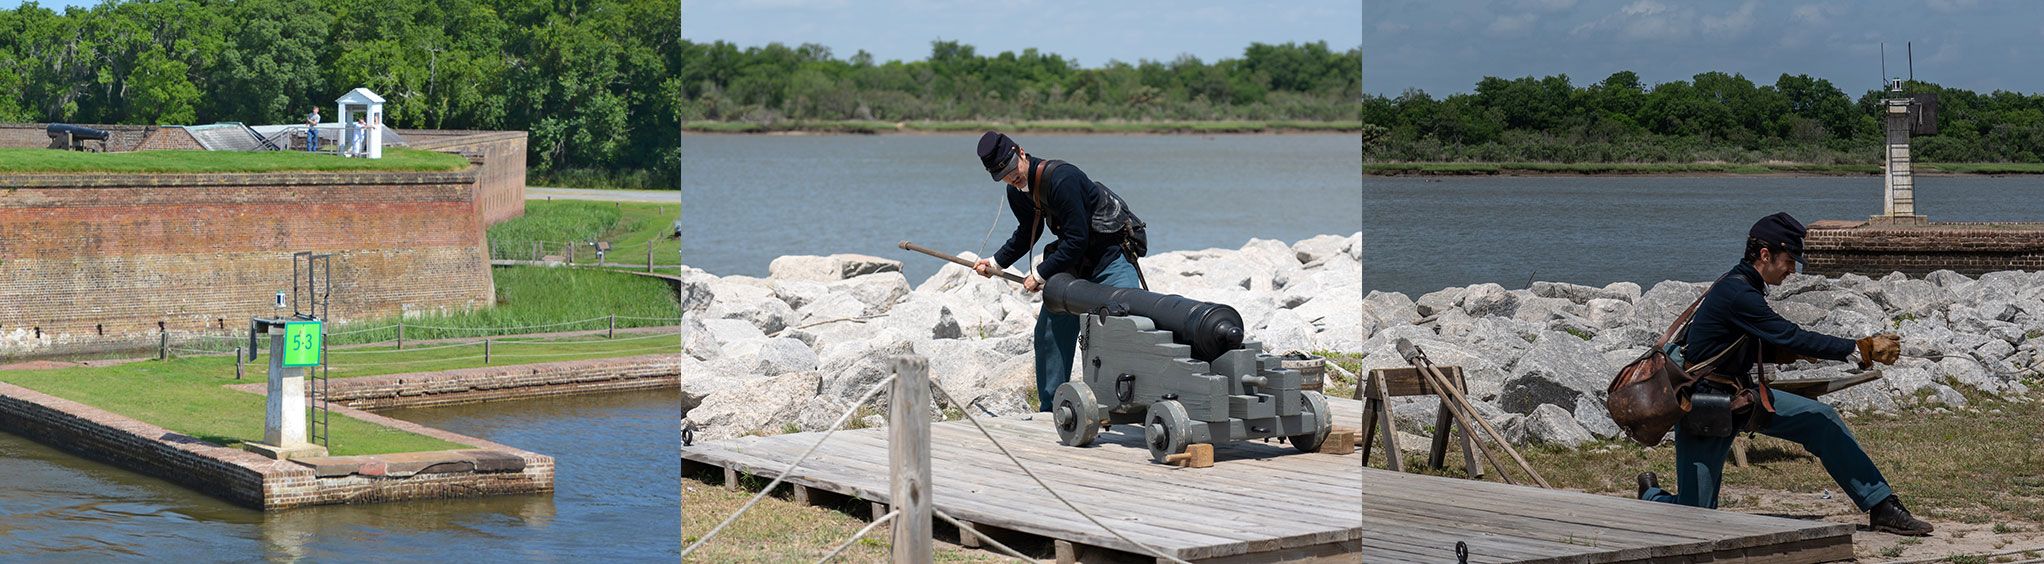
x=1386, y=383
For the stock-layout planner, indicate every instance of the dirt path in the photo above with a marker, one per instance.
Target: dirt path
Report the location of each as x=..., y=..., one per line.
x=1952, y=538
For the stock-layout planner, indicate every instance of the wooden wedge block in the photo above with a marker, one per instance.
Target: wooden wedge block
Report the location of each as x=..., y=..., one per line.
x=1198, y=455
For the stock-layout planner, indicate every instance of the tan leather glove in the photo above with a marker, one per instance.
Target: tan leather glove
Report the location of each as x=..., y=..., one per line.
x=1884, y=348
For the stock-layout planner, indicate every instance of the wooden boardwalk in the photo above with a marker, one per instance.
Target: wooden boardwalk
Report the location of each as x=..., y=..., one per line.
x=1262, y=502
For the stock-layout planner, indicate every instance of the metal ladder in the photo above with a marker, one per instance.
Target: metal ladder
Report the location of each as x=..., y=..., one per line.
x=318, y=289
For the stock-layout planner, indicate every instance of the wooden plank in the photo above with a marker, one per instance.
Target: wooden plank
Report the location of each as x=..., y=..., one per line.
x=1262, y=502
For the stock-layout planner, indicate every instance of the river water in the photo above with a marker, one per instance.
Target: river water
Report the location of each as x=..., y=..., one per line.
x=616, y=499
x=749, y=198
x=1425, y=234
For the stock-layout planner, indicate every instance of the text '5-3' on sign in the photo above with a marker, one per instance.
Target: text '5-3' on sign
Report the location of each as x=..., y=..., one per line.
x=302, y=343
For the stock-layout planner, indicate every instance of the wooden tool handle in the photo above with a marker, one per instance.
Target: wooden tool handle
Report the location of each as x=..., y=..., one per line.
x=1010, y=276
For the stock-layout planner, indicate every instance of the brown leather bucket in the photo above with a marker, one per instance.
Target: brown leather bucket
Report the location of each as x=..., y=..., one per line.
x=1642, y=399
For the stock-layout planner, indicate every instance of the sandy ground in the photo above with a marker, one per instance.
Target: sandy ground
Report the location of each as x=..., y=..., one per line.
x=1952, y=538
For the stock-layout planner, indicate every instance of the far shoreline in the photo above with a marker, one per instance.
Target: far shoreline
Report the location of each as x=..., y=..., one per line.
x=1166, y=127
x=1468, y=169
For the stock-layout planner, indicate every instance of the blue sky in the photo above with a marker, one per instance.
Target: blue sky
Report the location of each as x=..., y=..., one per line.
x=1092, y=32
x=1445, y=46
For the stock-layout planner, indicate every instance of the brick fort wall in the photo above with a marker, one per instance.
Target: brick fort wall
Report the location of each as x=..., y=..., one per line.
x=500, y=184
x=1834, y=248
x=90, y=262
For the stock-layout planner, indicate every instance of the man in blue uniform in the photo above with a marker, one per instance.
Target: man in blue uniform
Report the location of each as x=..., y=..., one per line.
x=1735, y=317
x=1057, y=196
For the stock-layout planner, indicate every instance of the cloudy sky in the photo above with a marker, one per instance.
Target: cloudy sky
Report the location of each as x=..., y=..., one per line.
x=1445, y=46
x=1092, y=32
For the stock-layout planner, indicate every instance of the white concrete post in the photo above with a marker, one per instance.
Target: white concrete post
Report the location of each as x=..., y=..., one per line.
x=284, y=435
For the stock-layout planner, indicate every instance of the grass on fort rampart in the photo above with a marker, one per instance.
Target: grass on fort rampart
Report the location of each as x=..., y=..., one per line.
x=395, y=159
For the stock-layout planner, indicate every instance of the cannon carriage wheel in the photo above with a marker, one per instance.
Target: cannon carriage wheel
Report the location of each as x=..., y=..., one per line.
x=1166, y=429
x=1323, y=422
x=1076, y=414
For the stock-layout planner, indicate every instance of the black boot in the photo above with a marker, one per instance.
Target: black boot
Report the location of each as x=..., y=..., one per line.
x=1647, y=481
x=1890, y=516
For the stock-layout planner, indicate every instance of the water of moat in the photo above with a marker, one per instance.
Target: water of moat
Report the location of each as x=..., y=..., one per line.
x=616, y=498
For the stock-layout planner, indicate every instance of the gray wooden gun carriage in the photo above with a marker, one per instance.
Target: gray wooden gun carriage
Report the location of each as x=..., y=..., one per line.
x=1180, y=369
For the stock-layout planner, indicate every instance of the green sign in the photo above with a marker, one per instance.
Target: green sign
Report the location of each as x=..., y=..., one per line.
x=302, y=343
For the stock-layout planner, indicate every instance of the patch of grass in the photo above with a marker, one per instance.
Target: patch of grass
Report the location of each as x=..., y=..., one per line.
x=25, y=160
x=1967, y=559
x=780, y=530
x=629, y=227
x=2004, y=528
x=1891, y=551
x=1579, y=333
x=187, y=395
x=1336, y=384
x=1960, y=465
x=546, y=299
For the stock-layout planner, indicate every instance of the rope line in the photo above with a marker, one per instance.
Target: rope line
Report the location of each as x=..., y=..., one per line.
x=882, y=384
x=855, y=536
x=584, y=353
x=1045, y=486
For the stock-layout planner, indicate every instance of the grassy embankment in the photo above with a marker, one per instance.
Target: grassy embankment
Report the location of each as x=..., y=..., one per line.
x=629, y=227
x=1529, y=168
x=186, y=394
x=1047, y=126
x=779, y=529
x=23, y=160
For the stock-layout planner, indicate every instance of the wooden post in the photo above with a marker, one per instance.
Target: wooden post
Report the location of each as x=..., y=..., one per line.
x=237, y=361
x=613, y=327
x=908, y=458
x=649, y=256
x=400, y=335
x=486, y=351
x=571, y=253
x=163, y=345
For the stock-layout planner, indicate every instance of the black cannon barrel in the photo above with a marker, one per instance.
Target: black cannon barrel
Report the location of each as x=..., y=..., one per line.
x=1209, y=328
x=78, y=132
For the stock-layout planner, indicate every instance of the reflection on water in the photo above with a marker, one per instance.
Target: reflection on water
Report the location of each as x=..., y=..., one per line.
x=747, y=198
x=1423, y=234
x=617, y=498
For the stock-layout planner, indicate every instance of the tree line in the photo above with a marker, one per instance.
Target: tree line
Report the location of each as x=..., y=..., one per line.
x=1295, y=81
x=1712, y=117
x=592, y=81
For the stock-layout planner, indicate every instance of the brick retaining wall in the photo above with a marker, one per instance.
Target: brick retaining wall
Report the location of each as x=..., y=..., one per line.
x=1837, y=248
x=242, y=477
x=489, y=383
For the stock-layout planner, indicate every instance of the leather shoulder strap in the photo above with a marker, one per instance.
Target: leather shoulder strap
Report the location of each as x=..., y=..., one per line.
x=1681, y=322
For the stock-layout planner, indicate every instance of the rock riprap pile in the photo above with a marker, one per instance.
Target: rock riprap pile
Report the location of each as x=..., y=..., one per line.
x=795, y=349
x=1537, y=360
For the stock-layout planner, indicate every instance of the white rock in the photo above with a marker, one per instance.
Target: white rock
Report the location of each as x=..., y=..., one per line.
x=830, y=268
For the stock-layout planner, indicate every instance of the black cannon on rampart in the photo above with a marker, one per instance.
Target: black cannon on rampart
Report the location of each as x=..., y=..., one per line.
x=1180, y=368
x=74, y=137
